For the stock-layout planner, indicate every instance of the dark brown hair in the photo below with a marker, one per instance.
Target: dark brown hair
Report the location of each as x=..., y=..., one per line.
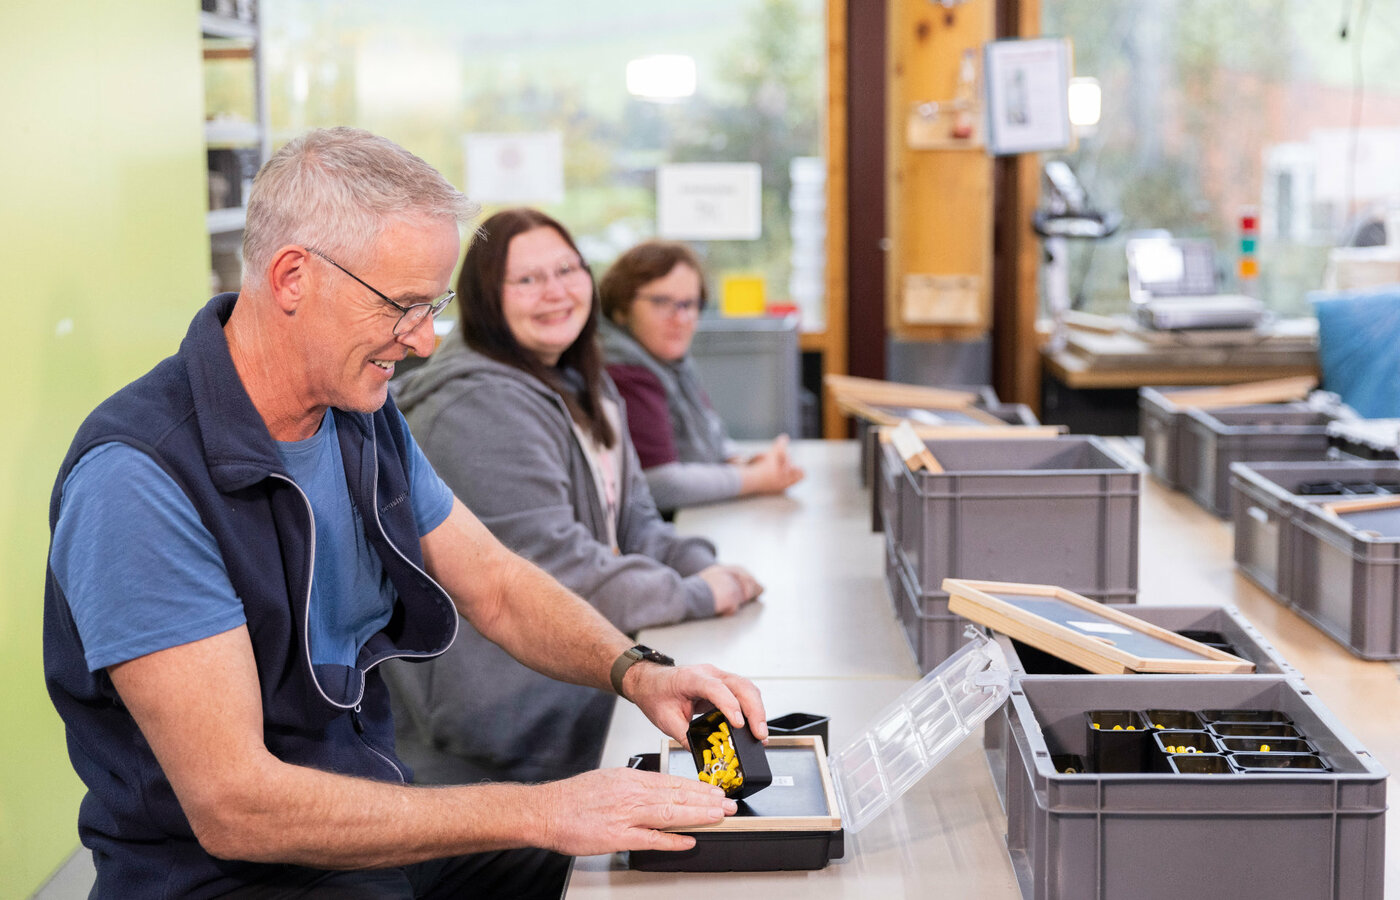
x=644, y=263
x=481, y=285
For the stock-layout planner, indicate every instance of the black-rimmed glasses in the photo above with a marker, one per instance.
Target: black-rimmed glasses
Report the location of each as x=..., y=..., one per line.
x=411, y=316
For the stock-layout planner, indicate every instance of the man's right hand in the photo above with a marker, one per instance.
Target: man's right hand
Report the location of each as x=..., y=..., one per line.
x=626, y=809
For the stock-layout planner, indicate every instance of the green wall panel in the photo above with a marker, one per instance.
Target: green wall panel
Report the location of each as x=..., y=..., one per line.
x=103, y=257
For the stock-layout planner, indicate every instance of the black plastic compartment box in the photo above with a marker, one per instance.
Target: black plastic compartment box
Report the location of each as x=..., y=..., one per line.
x=1341, y=574
x=1058, y=511
x=1213, y=439
x=808, y=834
x=1280, y=834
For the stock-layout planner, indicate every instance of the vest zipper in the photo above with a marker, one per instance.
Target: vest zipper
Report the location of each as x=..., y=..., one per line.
x=306, y=624
x=374, y=505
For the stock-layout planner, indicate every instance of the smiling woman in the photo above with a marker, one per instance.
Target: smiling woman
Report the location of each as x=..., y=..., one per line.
x=519, y=418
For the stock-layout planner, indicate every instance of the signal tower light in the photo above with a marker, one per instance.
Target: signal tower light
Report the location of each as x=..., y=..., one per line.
x=1249, y=249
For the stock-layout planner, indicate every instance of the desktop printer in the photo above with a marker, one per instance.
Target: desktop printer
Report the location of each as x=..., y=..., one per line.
x=1173, y=286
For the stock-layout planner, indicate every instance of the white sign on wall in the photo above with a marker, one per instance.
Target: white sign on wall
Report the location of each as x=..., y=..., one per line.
x=515, y=168
x=709, y=201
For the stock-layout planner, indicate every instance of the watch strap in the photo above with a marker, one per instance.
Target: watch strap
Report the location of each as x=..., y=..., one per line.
x=629, y=658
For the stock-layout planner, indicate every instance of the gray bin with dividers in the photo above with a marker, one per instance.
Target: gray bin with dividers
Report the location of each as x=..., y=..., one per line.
x=1222, y=627
x=1285, y=834
x=1267, y=499
x=1344, y=577
x=1213, y=439
x=1060, y=511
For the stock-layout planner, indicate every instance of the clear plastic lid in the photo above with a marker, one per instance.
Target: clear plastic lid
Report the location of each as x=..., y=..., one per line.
x=912, y=735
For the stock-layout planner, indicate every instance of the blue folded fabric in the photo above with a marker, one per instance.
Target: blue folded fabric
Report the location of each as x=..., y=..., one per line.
x=1358, y=338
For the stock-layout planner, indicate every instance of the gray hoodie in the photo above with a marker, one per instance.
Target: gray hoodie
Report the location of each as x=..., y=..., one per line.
x=505, y=444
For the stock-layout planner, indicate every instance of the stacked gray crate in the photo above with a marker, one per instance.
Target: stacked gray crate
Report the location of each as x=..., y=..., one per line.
x=1285, y=835
x=1058, y=511
x=1210, y=440
x=1159, y=424
x=1343, y=575
x=751, y=368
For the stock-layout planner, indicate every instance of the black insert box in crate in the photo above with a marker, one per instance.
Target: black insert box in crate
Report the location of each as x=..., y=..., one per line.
x=795, y=823
x=1269, y=824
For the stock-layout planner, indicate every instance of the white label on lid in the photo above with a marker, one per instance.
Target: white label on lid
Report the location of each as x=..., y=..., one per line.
x=1099, y=627
x=906, y=442
x=782, y=781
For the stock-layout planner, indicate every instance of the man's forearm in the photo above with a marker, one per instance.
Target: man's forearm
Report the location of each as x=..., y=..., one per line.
x=520, y=607
x=313, y=818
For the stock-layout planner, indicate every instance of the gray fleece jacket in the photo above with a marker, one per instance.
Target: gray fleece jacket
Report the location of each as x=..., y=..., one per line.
x=505, y=444
x=699, y=473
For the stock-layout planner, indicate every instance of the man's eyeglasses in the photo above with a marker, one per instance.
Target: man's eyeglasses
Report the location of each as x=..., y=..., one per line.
x=672, y=307
x=410, y=316
x=571, y=273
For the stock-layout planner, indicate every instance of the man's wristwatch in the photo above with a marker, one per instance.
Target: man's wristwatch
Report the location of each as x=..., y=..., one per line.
x=630, y=657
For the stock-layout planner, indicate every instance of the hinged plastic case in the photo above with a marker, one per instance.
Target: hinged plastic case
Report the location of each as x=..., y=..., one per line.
x=912, y=735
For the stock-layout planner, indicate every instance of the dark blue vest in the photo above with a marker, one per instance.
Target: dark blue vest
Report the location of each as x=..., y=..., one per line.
x=192, y=415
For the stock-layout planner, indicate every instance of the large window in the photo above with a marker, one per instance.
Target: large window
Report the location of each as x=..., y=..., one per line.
x=433, y=74
x=1215, y=107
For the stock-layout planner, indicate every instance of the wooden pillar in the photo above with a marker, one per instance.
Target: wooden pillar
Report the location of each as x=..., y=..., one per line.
x=1017, y=249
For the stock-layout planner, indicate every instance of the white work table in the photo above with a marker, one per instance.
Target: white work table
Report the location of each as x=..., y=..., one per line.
x=823, y=639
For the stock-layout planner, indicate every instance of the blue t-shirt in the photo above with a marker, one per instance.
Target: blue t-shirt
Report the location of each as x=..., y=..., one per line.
x=142, y=573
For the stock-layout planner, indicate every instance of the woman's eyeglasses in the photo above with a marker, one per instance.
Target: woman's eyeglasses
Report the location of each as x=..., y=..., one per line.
x=571, y=273
x=671, y=307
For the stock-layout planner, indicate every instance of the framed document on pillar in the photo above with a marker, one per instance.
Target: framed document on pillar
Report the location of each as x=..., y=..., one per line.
x=1027, y=87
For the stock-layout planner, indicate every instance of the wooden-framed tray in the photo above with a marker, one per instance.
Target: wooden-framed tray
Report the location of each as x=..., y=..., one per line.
x=1101, y=639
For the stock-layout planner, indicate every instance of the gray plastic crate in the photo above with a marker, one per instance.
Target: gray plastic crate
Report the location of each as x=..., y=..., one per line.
x=885, y=494
x=1159, y=424
x=751, y=368
x=934, y=633
x=987, y=400
x=1282, y=835
x=1244, y=640
x=1265, y=503
x=1058, y=511
x=1213, y=439
x=871, y=459
x=1344, y=577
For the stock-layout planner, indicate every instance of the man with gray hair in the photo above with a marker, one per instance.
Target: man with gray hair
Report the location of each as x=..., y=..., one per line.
x=241, y=537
